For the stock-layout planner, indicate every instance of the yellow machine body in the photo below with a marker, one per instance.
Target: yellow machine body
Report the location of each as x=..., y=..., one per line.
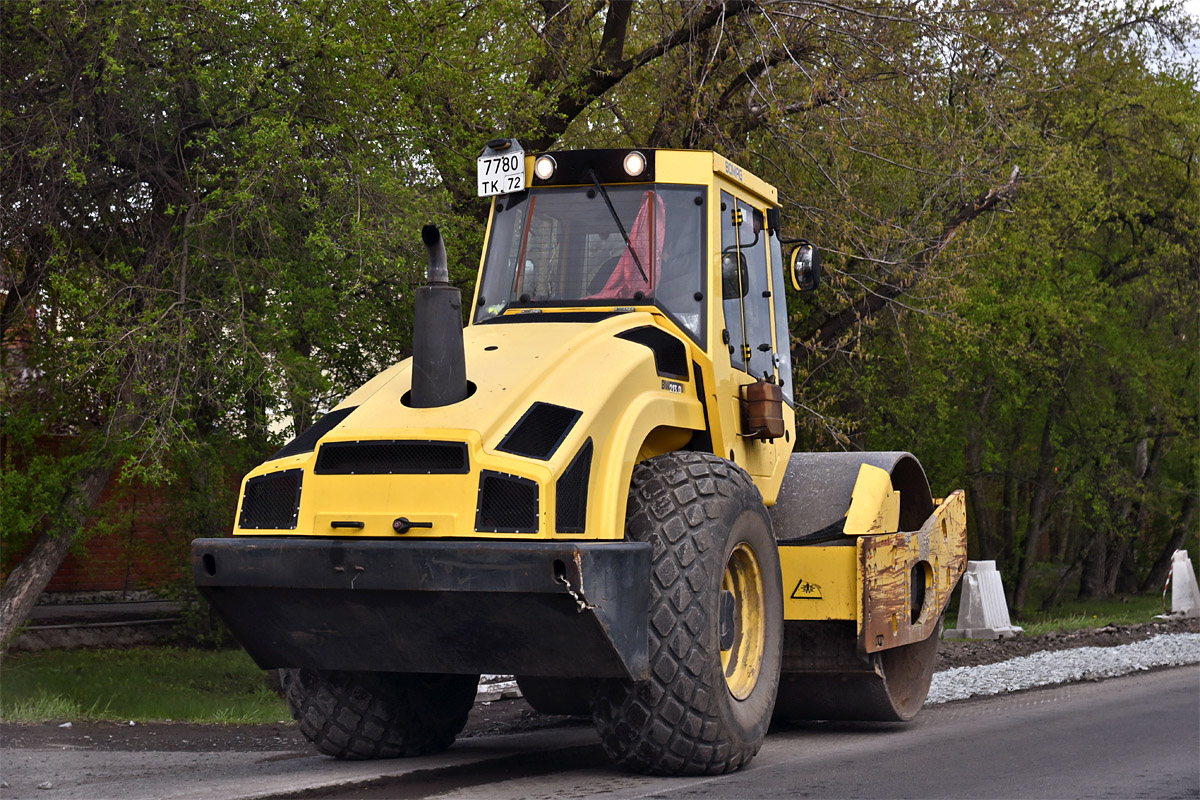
x=625, y=411
x=388, y=536
x=628, y=409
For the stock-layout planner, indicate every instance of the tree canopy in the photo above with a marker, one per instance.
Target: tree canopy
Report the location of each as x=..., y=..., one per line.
x=210, y=213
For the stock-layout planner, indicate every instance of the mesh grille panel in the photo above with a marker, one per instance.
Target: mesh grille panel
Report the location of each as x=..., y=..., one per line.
x=571, y=506
x=539, y=433
x=392, y=458
x=272, y=501
x=507, y=504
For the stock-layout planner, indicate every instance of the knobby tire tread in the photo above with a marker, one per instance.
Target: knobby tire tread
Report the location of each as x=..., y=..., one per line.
x=672, y=724
x=368, y=715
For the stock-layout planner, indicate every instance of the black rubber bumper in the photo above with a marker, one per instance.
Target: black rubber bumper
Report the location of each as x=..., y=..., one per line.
x=567, y=609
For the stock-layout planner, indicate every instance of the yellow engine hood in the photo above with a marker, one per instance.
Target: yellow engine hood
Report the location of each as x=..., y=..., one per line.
x=626, y=410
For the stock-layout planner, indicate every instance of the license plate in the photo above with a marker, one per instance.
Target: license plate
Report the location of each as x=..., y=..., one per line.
x=502, y=173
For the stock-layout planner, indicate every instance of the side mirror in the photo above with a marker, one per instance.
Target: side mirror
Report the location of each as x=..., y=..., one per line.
x=735, y=276
x=806, y=267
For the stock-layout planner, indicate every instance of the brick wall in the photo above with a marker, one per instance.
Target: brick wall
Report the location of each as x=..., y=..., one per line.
x=134, y=551
x=134, y=540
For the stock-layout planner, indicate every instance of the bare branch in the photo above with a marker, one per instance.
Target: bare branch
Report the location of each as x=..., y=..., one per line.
x=595, y=79
x=833, y=326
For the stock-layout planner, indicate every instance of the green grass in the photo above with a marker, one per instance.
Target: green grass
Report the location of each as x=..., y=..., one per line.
x=143, y=684
x=150, y=684
x=1074, y=615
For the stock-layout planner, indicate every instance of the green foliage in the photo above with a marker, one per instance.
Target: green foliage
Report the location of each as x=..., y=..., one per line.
x=139, y=684
x=211, y=215
x=32, y=486
x=210, y=231
x=1056, y=377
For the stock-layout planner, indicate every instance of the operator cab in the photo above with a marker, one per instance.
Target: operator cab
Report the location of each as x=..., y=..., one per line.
x=604, y=231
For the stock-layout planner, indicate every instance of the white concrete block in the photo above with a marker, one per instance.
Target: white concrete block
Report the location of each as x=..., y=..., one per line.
x=982, y=609
x=1185, y=593
x=497, y=687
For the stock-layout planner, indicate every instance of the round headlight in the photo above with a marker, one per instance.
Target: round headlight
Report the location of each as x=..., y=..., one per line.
x=635, y=164
x=544, y=167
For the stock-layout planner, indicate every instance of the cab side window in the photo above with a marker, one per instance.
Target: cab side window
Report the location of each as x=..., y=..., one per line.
x=746, y=298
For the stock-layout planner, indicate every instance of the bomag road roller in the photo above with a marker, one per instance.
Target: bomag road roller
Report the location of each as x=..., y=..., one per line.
x=592, y=487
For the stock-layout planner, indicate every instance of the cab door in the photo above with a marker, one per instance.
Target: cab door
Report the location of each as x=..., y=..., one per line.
x=745, y=288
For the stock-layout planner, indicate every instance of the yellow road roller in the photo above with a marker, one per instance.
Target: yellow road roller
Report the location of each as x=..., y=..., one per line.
x=592, y=486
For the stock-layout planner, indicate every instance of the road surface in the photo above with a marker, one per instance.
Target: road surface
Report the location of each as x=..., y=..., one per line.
x=1137, y=736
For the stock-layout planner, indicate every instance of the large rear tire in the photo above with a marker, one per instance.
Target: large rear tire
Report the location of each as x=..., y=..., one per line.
x=367, y=715
x=716, y=623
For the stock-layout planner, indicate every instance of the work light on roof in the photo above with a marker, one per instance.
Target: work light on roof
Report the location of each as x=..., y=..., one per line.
x=635, y=164
x=544, y=167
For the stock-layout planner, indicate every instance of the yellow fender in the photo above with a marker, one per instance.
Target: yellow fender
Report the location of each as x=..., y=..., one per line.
x=874, y=504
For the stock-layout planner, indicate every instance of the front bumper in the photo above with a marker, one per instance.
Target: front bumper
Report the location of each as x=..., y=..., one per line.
x=566, y=609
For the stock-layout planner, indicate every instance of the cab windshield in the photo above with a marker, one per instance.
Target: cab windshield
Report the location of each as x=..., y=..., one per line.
x=562, y=246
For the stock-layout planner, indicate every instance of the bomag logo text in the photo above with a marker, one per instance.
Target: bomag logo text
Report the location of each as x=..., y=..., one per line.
x=733, y=170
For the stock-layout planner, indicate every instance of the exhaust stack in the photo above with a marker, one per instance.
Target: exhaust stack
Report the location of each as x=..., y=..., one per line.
x=439, y=374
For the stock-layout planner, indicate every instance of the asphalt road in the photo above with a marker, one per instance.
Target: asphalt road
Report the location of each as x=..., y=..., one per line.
x=1137, y=736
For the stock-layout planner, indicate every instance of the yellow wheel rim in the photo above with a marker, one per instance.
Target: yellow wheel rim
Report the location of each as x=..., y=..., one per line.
x=742, y=661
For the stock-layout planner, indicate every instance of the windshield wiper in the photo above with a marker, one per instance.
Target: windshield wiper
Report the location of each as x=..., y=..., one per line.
x=620, y=227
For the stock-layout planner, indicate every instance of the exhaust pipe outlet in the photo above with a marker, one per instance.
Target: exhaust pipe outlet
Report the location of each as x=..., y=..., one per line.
x=439, y=372
x=436, y=273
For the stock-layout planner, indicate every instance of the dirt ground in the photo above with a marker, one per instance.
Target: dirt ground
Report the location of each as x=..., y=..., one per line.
x=500, y=716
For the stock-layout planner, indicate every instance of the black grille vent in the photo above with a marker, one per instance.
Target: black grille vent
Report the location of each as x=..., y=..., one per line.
x=571, y=507
x=305, y=442
x=392, y=458
x=272, y=501
x=507, y=504
x=539, y=433
x=670, y=355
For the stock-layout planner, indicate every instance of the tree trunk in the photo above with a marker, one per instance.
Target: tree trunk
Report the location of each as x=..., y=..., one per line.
x=1066, y=538
x=983, y=520
x=1122, y=575
x=1091, y=581
x=1065, y=575
x=1162, y=565
x=1008, y=515
x=27, y=580
x=981, y=515
x=1132, y=520
x=1067, y=570
x=1037, y=504
x=1115, y=565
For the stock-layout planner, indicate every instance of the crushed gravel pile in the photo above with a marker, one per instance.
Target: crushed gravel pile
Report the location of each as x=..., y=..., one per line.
x=1064, y=666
